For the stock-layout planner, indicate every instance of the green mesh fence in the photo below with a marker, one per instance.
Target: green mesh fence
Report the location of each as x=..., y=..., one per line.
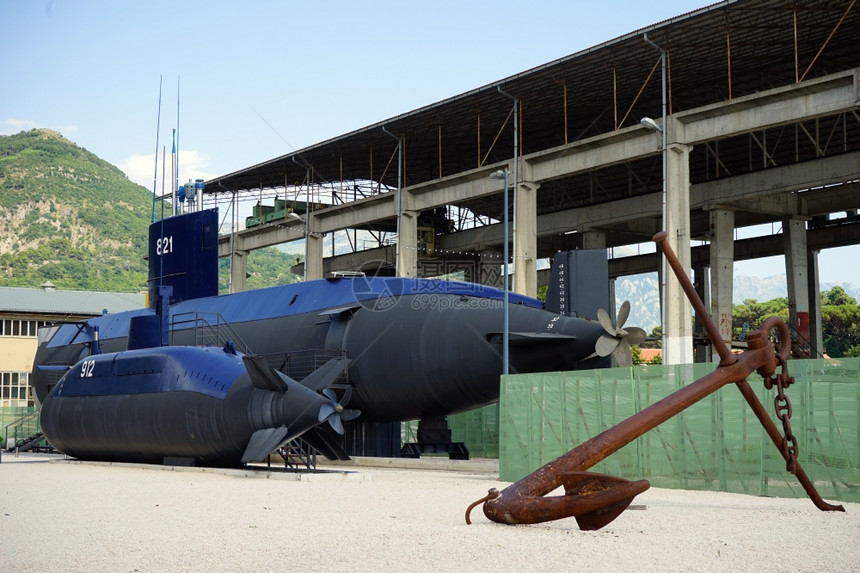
x=478, y=429
x=9, y=416
x=717, y=444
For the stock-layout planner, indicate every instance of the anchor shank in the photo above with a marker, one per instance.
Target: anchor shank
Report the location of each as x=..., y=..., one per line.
x=702, y=314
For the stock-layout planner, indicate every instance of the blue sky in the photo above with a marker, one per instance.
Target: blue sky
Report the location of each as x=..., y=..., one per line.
x=261, y=78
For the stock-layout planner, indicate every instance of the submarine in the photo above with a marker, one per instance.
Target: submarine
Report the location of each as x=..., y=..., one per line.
x=410, y=348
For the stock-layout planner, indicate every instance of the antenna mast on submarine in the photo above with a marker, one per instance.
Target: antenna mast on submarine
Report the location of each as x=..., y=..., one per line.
x=157, y=131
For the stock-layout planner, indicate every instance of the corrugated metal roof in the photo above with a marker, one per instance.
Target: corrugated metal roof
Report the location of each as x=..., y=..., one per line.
x=716, y=53
x=49, y=301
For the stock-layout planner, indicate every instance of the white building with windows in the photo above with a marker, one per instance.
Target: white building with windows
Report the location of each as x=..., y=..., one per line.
x=24, y=310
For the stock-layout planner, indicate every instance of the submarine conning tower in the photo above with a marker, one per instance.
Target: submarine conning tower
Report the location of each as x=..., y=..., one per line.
x=183, y=255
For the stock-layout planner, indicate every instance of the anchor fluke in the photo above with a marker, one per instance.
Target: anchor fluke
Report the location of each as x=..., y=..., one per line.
x=603, y=497
x=593, y=499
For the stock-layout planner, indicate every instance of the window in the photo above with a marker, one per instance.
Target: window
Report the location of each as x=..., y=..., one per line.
x=14, y=327
x=15, y=389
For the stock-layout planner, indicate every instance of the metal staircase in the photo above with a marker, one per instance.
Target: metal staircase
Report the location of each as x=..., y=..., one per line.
x=26, y=435
x=298, y=455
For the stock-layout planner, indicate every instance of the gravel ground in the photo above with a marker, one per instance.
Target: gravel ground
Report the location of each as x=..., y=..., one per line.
x=69, y=516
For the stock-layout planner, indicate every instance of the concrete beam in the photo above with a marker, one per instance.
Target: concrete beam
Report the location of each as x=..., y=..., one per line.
x=819, y=97
x=263, y=236
x=593, y=153
x=457, y=188
x=740, y=191
x=357, y=213
x=744, y=249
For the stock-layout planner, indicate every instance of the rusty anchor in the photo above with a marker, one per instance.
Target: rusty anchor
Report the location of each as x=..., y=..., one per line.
x=596, y=499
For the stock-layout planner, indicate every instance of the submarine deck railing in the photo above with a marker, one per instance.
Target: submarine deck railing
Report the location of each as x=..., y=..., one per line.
x=299, y=364
x=208, y=329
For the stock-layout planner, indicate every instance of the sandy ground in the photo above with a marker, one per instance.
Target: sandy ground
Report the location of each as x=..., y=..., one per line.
x=69, y=516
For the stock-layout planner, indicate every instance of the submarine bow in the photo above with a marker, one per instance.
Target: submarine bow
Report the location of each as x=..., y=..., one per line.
x=208, y=406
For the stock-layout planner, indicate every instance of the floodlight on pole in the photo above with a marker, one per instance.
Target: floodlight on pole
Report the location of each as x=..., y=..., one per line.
x=516, y=180
x=503, y=174
x=664, y=274
x=651, y=124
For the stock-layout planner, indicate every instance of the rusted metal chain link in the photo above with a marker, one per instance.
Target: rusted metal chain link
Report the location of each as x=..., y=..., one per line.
x=782, y=404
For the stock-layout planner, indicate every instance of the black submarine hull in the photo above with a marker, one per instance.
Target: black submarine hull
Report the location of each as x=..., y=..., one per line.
x=418, y=356
x=199, y=405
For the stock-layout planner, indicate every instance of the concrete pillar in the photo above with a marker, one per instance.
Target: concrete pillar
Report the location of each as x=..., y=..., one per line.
x=678, y=315
x=407, y=238
x=313, y=252
x=593, y=239
x=797, y=273
x=407, y=242
x=238, y=270
x=490, y=269
x=816, y=336
x=525, y=239
x=701, y=347
x=722, y=252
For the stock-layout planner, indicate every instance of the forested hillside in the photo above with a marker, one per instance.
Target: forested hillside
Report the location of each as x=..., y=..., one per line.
x=68, y=217
x=76, y=220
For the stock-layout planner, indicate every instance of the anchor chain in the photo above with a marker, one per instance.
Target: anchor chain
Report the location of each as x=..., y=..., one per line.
x=782, y=405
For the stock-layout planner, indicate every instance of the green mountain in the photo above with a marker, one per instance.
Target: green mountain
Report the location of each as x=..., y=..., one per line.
x=76, y=220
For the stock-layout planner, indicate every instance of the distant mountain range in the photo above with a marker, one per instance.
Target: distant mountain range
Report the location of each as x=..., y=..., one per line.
x=643, y=293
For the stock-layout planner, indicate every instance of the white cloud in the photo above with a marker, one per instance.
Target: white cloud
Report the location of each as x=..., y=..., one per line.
x=12, y=126
x=141, y=168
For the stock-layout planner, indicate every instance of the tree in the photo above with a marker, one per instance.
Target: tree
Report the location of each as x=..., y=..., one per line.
x=841, y=330
x=836, y=297
x=840, y=320
x=636, y=354
x=752, y=313
x=655, y=339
